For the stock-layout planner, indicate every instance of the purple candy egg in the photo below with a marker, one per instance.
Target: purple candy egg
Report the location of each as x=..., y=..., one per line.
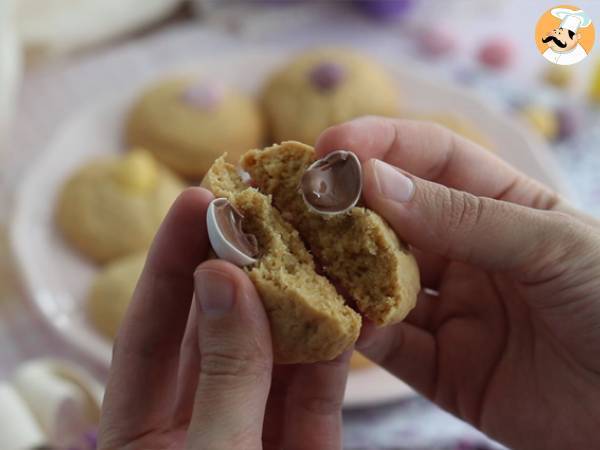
x=206, y=96
x=326, y=76
x=497, y=53
x=385, y=9
x=569, y=122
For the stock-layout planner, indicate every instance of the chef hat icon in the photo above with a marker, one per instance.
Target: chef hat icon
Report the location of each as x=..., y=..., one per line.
x=570, y=19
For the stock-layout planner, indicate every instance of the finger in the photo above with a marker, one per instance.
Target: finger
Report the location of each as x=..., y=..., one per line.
x=463, y=227
x=435, y=153
x=144, y=362
x=235, y=360
x=313, y=416
x=274, y=422
x=404, y=350
x=188, y=371
x=431, y=268
x=423, y=313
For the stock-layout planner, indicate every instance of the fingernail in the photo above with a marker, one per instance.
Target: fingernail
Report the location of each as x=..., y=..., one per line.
x=215, y=292
x=391, y=183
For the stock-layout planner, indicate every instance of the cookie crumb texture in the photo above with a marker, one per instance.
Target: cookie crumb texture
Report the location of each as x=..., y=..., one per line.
x=357, y=249
x=309, y=319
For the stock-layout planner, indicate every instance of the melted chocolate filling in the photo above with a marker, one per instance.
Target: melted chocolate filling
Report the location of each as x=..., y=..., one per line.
x=230, y=222
x=332, y=184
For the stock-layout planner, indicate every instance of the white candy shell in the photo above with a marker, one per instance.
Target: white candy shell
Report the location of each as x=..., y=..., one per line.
x=221, y=246
x=64, y=399
x=18, y=427
x=359, y=193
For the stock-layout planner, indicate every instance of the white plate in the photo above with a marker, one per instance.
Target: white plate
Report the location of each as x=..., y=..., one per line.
x=57, y=278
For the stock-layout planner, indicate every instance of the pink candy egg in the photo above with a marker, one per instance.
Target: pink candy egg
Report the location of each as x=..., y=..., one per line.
x=497, y=53
x=206, y=96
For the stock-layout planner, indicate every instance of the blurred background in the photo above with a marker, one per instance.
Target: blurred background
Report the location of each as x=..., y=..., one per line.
x=98, y=97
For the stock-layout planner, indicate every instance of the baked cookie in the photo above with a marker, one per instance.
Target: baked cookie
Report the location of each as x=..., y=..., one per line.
x=324, y=87
x=357, y=249
x=112, y=207
x=111, y=293
x=309, y=319
x=187, y=123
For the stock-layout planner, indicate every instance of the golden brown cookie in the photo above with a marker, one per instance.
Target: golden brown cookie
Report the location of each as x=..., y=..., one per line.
x=309, y=319
x=111, y=293
x=187, y=123
x=112, y=207
x=357, y=249
x=324, y=87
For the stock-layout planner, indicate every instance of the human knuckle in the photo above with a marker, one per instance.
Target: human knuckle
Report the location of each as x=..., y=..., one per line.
x=567, y=230
x=241, y=364
x=437, y=129
x=321, y=405
x=463, y=211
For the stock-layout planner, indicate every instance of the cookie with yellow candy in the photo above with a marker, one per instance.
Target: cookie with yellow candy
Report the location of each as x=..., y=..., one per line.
x=111, y=293
x=324, y=87
x=187, y=123
x=113, y=206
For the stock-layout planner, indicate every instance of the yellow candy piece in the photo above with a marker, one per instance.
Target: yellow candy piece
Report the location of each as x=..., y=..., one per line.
x=595, y=85
x=137, y=172
x=543, y=121
x=559, y=76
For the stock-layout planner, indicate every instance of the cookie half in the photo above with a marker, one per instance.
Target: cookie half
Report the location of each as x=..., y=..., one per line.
x=309, y=319
x=357, y=249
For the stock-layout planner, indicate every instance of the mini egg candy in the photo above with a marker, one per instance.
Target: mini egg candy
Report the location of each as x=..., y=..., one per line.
x=496, y=53
x=558, y=76
x=543, y=120
x=137, y=172
x=436, y=41
x=385, y=9
x=569, y=121
x=594, y=92
x=326, y=76
x=227, y=236
x=204, y=95
x=333, y=184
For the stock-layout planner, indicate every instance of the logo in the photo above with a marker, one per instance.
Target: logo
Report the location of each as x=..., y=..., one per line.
x=565, y=35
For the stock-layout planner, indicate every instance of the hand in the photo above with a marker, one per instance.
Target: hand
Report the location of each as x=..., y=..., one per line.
x=212, y=386
x=507, y=336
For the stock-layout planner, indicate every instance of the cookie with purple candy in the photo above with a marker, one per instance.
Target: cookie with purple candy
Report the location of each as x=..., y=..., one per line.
x=188, y=122
x=324, y=87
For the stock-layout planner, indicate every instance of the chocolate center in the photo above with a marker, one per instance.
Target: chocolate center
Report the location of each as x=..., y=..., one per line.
x=230, y=223
x=333, y=183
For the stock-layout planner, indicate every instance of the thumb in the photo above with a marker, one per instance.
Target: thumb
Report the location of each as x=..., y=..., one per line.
x=492, y=234
x=235, y=360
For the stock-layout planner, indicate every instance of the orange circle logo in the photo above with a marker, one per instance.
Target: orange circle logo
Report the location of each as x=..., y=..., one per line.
x=564, y=35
